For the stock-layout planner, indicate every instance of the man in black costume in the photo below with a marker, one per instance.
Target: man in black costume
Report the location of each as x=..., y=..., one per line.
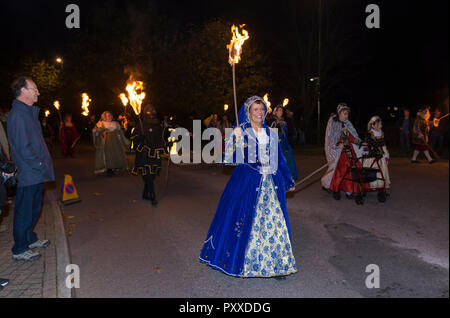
x=149, y=145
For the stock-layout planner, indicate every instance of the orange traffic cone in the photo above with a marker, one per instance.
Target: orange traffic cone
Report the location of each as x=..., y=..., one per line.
x=69, y=192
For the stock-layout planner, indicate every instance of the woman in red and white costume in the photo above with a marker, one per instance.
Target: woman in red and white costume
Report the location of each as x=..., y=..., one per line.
x=342, y=144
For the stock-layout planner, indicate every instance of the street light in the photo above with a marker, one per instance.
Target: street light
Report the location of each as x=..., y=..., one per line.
x=59, y=60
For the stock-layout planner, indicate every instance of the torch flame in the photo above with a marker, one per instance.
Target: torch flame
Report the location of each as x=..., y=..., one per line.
x=56, y=104
x=124, y=99
x=427, y=115
x=225, y=107
x=173, y=150
x=235, y=46
x=266, y=99
x=285, y=102
x=85, y=105
x=135, y=98
x=47, y=113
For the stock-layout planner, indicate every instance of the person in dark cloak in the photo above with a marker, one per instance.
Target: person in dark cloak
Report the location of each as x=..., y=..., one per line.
x=149, y=145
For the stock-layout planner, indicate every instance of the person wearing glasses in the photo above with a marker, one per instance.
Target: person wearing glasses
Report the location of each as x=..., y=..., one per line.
x=34, y=167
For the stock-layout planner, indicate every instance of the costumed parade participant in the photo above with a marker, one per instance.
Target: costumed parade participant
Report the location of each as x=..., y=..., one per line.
x=68, y=136
x=48, y=132
x=88, y=123
x=110, y=146
x=342, y=149
x=438, y=130
x=214, y=121
x=250, y=233
x=131, y=124
x=377, y=153
x=4, y=145
x=149, y=146
x=279, y=122
x=211, y=121
x=222, y=126
x=421, y=130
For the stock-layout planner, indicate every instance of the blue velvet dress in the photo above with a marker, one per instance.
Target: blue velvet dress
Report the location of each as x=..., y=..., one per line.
x=250, y=233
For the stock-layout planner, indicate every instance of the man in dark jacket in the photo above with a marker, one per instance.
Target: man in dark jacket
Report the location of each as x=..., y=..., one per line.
x=404, y=126
x=34, y=167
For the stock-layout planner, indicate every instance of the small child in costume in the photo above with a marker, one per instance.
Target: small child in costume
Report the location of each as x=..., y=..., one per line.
x=377, y=150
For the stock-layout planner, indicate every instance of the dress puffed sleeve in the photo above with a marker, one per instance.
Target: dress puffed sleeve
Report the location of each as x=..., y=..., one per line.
x=332, y=135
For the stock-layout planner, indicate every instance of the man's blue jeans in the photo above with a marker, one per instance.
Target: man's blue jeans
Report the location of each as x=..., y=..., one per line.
x=405, y=142
x=26, y=212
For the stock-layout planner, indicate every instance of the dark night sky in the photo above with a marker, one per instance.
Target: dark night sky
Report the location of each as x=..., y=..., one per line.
x=410, y=61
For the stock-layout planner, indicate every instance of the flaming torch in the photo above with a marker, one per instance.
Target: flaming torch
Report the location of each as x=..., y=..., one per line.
x=235, y=50
x=47, y=113
x=85, y=104
x=58, y=106
x=136, y=99
x=124, y=100
x=285, y=102
x=266, y=99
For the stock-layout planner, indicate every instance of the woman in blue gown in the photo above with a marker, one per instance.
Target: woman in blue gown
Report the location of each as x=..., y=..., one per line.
x=279, y=122
x=250, y=233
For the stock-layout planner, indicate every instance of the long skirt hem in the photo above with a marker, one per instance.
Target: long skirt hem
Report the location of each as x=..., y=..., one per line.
x=265, y=249
x=241, y=275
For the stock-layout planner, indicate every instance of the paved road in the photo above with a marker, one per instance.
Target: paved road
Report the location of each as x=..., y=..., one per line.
x=126, y=248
